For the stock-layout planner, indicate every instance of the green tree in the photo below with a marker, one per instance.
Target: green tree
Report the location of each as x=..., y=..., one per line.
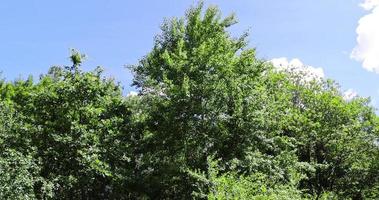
x=336, y=137
x=202, y=94
x=77, y=126
x=205, y=94
x=18, y=169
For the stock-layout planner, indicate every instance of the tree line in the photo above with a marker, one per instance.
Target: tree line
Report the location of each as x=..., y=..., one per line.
x=210, y=121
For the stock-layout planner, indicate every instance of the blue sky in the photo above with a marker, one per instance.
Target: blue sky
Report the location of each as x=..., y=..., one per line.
x=37, y=34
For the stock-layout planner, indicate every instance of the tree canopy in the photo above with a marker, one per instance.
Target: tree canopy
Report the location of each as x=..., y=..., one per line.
x=210, y=121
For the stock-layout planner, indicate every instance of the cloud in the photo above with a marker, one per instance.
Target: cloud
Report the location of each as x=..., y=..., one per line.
x=349, y=94
x=369, y=4
x=132, y=93
x=367, y=48
x=295, y=65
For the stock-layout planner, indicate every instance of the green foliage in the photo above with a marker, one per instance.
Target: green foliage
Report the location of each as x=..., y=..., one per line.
x=19, y=174
x=231, y=185
x=19, y=171
x=71, y=121
x=202, y=94
x=76, y=58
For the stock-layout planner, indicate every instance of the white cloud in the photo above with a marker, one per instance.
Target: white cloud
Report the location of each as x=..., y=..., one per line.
x=132, y=93
x=367, y=48
x=369, y=4
x=349, y=94
x=295, y=65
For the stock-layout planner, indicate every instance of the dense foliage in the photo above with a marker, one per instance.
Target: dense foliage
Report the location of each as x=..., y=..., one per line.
x=210, y=121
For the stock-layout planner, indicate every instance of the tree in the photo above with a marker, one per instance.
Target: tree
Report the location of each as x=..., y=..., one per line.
x=210, y=121
x=77, y=126
x=18, y=168
x=206, y=94
x=336, y=137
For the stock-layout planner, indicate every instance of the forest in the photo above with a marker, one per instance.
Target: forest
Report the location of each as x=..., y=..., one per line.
x=210, y=120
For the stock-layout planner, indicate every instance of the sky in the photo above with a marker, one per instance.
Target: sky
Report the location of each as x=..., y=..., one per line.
x=337, y=39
